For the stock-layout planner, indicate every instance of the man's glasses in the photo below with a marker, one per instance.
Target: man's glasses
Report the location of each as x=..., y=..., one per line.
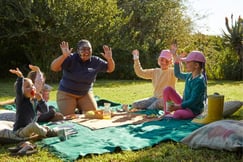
x=84, y=49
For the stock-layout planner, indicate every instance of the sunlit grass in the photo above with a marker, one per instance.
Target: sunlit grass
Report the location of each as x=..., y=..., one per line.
x=126, y=91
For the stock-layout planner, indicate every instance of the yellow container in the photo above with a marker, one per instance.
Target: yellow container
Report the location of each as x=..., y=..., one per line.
x=215, y=109
x=216, y=101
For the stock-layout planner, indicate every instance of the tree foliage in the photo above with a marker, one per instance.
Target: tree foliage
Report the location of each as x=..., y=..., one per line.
x=31, y=31
x=152, y=26
x=234, y=39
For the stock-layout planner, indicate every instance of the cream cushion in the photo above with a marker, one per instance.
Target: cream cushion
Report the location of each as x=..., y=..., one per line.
x=6, y=133
x=7, y=115
x=230, y=107
x=220, y=135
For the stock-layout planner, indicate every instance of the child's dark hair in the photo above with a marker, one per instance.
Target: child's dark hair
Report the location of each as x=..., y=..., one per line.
x=202, y=66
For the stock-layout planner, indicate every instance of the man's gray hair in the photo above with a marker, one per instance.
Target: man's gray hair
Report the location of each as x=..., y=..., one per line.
x=83, y=43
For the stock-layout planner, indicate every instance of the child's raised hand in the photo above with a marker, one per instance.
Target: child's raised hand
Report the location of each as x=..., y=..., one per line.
x=34, y=68
x=178, y=58
x=183, y=54
x=16, y=71
x=135, y=54
x=173, y=48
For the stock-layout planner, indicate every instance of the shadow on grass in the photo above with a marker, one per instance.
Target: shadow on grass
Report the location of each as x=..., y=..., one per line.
x=117, y=83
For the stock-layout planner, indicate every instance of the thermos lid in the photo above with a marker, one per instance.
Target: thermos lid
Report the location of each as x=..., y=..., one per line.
x=216, y=95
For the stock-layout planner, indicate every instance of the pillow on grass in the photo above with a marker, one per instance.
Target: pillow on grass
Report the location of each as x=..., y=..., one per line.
x=7, y=115
x=220, y=135
x=6, y=134
x=230, y=107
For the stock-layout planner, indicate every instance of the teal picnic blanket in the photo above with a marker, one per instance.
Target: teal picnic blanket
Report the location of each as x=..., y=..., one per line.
x=127, y=137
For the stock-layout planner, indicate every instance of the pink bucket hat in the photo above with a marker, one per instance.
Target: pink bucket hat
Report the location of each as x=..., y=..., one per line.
x=166, y=54
x=195, y=56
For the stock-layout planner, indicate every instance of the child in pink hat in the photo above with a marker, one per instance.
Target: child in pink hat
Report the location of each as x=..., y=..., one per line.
x=160, y=77
x=192, y=102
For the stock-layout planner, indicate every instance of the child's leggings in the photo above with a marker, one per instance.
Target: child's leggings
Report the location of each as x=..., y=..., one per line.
x=169, y=94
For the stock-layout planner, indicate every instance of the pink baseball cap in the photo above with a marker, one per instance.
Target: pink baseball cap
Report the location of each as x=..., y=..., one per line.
x=195, y=56
x=166, y=54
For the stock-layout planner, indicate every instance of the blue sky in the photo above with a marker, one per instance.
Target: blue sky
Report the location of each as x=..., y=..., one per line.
x=215, y=11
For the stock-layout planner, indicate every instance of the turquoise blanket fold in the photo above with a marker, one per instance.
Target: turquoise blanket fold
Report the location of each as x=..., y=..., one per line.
x=128, y=137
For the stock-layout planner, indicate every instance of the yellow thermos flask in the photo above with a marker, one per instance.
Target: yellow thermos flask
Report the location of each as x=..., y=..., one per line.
x=215, y=109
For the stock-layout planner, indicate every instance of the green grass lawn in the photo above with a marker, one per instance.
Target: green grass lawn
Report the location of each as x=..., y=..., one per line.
x=125, y=92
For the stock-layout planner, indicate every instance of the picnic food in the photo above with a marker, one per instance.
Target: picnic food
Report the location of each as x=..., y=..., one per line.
x=90, y=113
x=94, y=114
x=71, y=116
